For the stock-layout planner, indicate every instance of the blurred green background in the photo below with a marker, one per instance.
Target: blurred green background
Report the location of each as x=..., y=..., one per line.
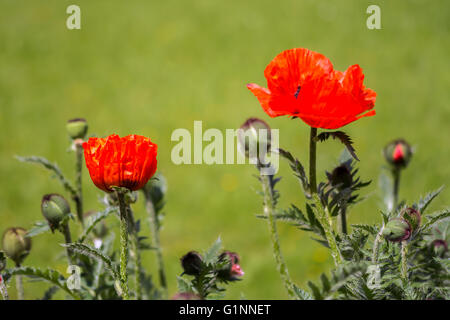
x=149, y=67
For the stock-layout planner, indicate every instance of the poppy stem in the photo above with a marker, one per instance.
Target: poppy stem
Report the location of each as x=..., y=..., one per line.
x=78, y=172
x=343, y=217
x=65, y=230
x=312, y=161
x=269, y=206
x=396, y=174
x=19, y=285
x=123, y=244
x=136, y=254
x=404, y=266
x=149, y=206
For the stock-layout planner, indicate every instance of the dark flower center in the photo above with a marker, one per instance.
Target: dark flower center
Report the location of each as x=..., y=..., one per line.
x=297, y=92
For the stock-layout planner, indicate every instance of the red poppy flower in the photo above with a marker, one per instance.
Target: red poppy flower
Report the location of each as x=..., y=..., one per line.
x=127, y=162
x=303, y=83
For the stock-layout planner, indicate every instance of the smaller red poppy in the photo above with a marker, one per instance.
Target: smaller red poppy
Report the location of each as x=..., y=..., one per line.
x=127, y=162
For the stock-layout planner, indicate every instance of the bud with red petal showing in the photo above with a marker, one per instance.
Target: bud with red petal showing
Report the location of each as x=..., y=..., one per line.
x=397, y=230
x=412, y=216
x=192, y=263
x=440, y=247
x=398, y=153
x=54, y=208
x=232, y=270
x=186, y=296
x=253, y=135
x=340, y=177
x=15, y=244
x=77, y=128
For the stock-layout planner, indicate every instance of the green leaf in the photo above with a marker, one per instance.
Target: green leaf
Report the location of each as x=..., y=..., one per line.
x=53, y=167
x=92, y=221
x=184, y=285
x=341, y=136
x=211, y=256
x=91, y=252
x=370, y=229
x=39, y=227
x=435, y=217
x=315, y=290
x=424, y=202
x=302, y=294
x=50, y=275
x=297, y=167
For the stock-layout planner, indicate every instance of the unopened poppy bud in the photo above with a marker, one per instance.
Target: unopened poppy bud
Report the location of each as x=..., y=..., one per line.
x=397, y=230
x=232, y=271
x=54, y=208
x=340, y=177
x=15, y=244
x=192, y=263
x=440, y=247
x=186, y=296
x=156, y=188
x=412, y=216
x=77, y=128
x=253, y=135
x=398, y=153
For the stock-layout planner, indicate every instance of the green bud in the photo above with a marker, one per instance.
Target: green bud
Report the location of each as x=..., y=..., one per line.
x=54, y=208
x=412, y=216
x=77, y=128
x=192, y=263
x=398, y=153
x=156, y=188
x=253, y=135
x=440, y=247
x=15, y=245
x=397, y=230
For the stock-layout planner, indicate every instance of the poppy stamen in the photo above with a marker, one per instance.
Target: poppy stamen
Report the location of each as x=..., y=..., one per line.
x=297, y=92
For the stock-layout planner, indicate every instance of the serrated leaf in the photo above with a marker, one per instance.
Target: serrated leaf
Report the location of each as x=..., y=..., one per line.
x=211, y=256
x=315, y=290
x=341, y=136
x=184, y=285
x=425, y=201
x=50, y=275
x=435, y=217
x=302, y=294
x=370, y=229
x=93, y=220
x=39, y=227
x=94, y=253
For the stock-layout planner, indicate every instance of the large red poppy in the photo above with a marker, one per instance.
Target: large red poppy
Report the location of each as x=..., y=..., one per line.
x=303, y=83
x=127, y=162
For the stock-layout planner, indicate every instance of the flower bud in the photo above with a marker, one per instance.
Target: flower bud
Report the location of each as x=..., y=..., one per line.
x=440, y=247
x=156, y=188
x=232, y=271
x=15, y=244
x=186, y=296
x=340, y=177
x=77, y=128
x=398, y=153
x=54, y=208
x=412, y=216
x=397, y=230
x=253, y=135
x=192, y=263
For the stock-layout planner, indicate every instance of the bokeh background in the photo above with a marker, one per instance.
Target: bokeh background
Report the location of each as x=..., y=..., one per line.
x=149, y=67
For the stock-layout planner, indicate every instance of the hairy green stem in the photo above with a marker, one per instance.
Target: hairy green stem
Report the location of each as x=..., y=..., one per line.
x=123, y=245
x=376, y=245
x=404, y=266
x=67, y=239
x=266, y=181
x=156, y=243
x=343, y=217
x=136, y=254
x=19, y=285
x=324, y=218
x=312, y=161
x=396, y=174
x=78, y=173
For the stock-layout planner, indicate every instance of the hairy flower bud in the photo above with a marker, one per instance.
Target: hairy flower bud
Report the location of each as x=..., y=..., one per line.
x=15, y=244
x=253, y=135
x=340, y=177
x=54, y=208
x=397, y=230
x=412, y=216
x=192, y=263
x=77, y=128
x=398, y=153
x=156, y=188
x=440, y=247
x=232, y=270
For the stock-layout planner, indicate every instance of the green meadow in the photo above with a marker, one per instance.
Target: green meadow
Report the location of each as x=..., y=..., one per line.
x=150, y=67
